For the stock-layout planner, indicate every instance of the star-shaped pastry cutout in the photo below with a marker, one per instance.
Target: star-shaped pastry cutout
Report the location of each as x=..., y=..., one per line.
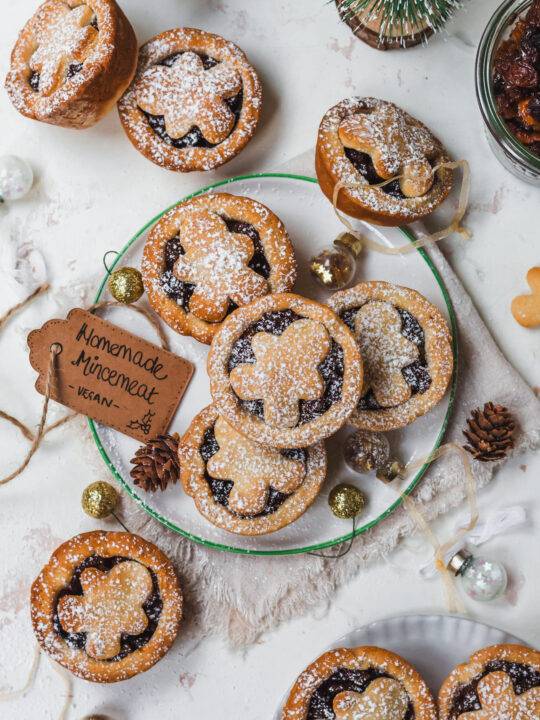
x=216, y=262
x=500, y=702
x=187, y=95
x=110, y=606
x=396, y=146
x=285, y=371
x=383, y=699
x=385, y=352
x=64, y=37
x=253, y=468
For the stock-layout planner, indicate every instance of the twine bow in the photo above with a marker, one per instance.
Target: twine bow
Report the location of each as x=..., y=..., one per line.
x=453, y=600
x=454, y=227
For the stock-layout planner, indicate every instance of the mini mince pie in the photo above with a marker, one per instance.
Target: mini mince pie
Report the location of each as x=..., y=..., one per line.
x=194, y=102
x=212, y=254
x=242, y=486
x=106, y=606
x=72, y=61
x=367, y=141
x=364, y=683
x=406, y=350
x=285, y=371
x=501, y=682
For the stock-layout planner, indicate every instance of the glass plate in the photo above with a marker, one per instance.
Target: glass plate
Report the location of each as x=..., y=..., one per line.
x=311, y=223
x=433, y=644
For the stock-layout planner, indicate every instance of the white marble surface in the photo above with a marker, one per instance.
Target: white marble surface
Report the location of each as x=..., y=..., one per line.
x=93, y=191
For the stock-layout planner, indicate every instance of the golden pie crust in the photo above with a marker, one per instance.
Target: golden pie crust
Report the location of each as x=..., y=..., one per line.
x=196, y=214
x=246, y=463
x=495, y=691
x=403, y=676
x=286, y=372
x=398, y=144
x=157, y=86
x=100, y=619
x=384, y=361
x=108, y=56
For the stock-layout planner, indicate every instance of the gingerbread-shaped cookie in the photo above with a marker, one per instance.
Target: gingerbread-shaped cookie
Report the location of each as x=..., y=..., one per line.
x=285, y=371
x=242, y=486
x=72, y=61
x=212, y=254
x=406, y=349
x=526, y=308
x=194, y=102
x=364, y=683
x=502, y=681
x=366, y=141
x=106, y=606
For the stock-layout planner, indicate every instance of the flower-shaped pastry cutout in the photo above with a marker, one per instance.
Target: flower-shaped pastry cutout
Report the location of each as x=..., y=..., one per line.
x=216, y=262
x=187, y=95
x=385, y=352
x=64, y=37
x=110, y=606
x=253, y=469
x=383, y=699
x=394, y=145
x=285, y=371
x=500, y=702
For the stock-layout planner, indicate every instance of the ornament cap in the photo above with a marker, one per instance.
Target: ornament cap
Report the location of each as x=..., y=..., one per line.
x=458, y=562
x=350, y=242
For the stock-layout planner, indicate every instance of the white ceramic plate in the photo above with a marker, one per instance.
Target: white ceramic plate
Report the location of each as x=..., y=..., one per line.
x=433, y=644
x=311, y=223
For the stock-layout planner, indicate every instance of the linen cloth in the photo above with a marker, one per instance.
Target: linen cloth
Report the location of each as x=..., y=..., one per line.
x=250, y=595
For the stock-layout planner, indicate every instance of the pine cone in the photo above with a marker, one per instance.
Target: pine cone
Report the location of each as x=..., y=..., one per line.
x=490, y=432
x=156, y=463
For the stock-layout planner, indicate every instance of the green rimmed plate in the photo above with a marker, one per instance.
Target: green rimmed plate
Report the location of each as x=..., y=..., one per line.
x=311, y=223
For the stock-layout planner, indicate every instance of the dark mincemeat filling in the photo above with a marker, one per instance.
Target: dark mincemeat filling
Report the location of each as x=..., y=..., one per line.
x=416, y=374
x=344, y=680
x=73, y=69
x=181, y=292
x=128, y=643
x=363, y=164
x=221, y=489
x=331, y=369
x=466, y=699
x=193, y=138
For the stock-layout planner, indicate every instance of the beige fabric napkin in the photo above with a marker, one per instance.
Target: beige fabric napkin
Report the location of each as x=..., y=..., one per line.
x=252, y=594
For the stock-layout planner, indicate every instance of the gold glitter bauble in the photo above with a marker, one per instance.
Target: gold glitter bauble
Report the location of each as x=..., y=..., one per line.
x=334, y=267
x=346, y=501
x=126, y=285
x=99, y=499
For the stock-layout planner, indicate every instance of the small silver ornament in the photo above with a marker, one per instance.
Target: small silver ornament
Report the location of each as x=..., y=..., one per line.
x=366, y=450
x=482, y=579
x=16, y=178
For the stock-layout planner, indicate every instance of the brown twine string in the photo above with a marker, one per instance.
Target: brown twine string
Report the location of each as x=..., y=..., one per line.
x=50, y=378
x=453, y=600
x=37, y=292
x=31, y=675
x=454, y=227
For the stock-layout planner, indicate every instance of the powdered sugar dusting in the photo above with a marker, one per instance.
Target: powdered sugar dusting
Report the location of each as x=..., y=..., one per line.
x=186, y=94
x=253, y=471
x=391, y=349
x=417, y=143
x=215, y=260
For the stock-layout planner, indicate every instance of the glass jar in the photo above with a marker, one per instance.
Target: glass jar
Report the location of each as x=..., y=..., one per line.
x=514, y=155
